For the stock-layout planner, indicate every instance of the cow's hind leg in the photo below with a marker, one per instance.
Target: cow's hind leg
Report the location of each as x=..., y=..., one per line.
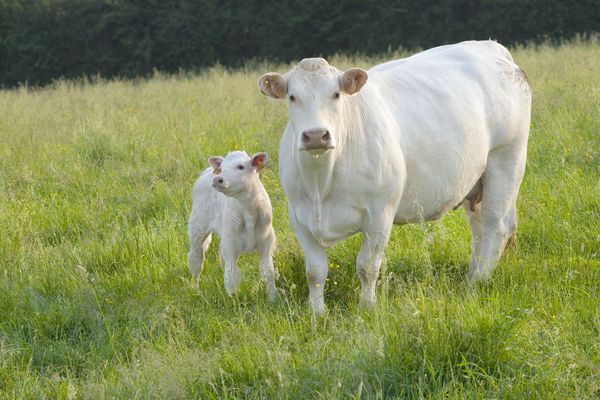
x=497, y=216
x=199, y=243
x=476, y=225
x=368, y=263
x=371, y=253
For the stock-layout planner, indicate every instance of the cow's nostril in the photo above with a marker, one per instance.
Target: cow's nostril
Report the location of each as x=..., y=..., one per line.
x=326, y=137
x=305, y=137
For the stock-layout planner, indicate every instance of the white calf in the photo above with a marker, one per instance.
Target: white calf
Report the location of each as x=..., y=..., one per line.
x=230, y=200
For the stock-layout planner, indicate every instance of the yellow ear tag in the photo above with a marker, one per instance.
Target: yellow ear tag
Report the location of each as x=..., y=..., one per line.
x=217, y=171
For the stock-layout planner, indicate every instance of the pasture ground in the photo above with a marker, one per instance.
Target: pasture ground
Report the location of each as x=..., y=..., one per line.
x=96, y=302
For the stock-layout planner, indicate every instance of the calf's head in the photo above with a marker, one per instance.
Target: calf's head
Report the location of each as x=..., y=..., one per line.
x=237, y=174
x=316, y=93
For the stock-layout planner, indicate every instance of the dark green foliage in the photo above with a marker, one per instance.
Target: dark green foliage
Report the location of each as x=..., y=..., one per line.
x=48, y=39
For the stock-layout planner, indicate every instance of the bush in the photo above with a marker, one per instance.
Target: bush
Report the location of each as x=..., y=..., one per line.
x=48, y=39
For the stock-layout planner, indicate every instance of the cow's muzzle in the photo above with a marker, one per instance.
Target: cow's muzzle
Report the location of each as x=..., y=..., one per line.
x=318, y=138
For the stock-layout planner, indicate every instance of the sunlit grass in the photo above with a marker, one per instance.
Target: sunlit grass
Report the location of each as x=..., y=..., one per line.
x=95, y=300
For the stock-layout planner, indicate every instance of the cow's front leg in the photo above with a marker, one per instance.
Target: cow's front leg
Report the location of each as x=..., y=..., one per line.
x=370, y=256
x=315, y=259
x=316, y=275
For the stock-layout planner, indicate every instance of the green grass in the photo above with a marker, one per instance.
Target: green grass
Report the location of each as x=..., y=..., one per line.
x=96, y=302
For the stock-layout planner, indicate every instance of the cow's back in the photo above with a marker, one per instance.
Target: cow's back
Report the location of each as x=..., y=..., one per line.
x=454, y=104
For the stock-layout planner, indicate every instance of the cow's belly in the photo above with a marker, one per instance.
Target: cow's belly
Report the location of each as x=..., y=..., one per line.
x=432, y=192
x=329, y=222
x=415, y=211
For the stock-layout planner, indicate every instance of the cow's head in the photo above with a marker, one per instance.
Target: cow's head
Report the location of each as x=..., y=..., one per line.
x=237, y=173
x=316, y=93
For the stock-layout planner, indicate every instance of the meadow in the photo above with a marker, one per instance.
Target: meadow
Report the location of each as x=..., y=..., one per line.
x=96, y=301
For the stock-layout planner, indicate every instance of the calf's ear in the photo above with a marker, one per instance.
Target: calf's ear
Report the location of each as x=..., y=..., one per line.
x=215, y=163
x=353, y=80
x=273, y=85
x=259, y=160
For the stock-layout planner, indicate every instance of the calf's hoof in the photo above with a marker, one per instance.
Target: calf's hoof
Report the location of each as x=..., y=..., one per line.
x=271, y=294
x=316, y=307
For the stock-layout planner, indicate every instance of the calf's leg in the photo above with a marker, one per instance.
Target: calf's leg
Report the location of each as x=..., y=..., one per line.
x=231, y=272
x=267, y=271
x=199, y=243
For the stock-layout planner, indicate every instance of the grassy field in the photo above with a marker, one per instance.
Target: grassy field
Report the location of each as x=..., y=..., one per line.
x=96, y=302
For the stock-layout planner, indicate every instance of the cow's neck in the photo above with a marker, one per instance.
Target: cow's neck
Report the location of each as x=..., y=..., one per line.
x=317, y=174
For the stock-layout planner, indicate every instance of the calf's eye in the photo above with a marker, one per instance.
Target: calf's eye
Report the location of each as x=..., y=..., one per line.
x=336, y=95
x=240, y=167
x=292, y=97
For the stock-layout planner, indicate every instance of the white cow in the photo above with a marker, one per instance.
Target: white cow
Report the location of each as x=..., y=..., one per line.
x=445, y=127
x=230, y=200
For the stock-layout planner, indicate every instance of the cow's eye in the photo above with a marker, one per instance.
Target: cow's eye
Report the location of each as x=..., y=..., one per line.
x=292, y=97
x=336, y=95
x=240, y=167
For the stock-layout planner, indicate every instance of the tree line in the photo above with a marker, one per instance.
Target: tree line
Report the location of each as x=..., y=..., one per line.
x=42, y=40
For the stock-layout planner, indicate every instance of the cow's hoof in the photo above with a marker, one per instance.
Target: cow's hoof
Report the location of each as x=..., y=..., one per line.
x=476, y=276
x=194, y=272
x=367, y=304
x=194, y=277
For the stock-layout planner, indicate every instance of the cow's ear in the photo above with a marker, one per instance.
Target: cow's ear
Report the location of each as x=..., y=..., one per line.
x=353, y=80
x=215, y=163
x=259, y=160
x=273, y=84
